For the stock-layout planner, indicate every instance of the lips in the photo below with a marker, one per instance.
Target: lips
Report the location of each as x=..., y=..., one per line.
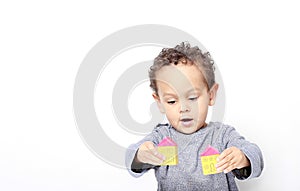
x=186, y=122
x=186, y=119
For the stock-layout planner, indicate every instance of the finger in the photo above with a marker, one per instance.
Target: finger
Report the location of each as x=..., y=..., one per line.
x=145, y=156
x=230, y=168
x=225, y=163
x=144, y=152
x=224, y=154
x=226, y=167
x=153, y=150
x=224, y=160
x=153, y=159
x=222, y=167
x=149, y=145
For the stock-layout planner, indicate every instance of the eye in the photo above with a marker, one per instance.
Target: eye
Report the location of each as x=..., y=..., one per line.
x=193, y=98
x=171, y=102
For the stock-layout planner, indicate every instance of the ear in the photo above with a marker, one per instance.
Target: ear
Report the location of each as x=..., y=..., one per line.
x=159, y=104
x=213, y=94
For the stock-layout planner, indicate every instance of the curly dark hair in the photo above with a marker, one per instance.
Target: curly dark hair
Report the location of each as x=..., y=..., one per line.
x=184, y=54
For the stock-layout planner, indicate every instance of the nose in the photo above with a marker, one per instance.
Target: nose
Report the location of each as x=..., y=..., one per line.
x=184, y=107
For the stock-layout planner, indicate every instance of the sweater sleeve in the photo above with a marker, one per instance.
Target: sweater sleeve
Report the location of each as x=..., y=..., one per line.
x=253, y=153
x=138, y=169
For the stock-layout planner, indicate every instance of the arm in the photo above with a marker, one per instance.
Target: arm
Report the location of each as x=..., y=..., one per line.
x=146, y=157
x=135, y=167
x=241, y=157
x=142, y=156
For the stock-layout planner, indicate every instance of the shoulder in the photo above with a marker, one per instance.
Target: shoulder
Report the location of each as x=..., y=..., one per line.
x=159, y=132
x=218, y=126
x=162, y=128
x=224, y=131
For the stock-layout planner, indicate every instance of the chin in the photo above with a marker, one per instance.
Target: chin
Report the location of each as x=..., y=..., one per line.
x=186, y=130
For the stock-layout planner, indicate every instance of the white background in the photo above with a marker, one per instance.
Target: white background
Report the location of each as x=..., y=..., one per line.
x=255, y=45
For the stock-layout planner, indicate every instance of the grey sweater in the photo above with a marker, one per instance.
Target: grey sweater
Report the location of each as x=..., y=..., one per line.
x=187, y=175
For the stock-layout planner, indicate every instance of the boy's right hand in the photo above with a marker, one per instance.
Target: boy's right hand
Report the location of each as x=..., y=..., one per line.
x=148, y=153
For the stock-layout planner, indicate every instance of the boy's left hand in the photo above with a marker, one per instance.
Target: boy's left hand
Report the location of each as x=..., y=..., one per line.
x=230, y=159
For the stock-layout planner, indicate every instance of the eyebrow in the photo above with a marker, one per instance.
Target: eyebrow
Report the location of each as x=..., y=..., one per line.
x=194, y=90
x=169, y=94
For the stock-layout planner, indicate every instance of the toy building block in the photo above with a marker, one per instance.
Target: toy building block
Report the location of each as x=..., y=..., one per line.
x=209, y=160
x=168, y=148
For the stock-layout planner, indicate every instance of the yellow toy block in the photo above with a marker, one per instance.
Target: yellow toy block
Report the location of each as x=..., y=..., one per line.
x=209, y=164
x=171, y=154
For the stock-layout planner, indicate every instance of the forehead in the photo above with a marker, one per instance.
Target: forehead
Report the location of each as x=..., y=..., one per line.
x=180, y=77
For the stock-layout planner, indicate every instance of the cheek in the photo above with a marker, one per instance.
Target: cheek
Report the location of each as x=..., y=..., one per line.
x=201, y=106
x=203, y=101
x=171, y=111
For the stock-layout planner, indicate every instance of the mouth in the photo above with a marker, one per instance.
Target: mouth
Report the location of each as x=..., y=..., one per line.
x=186, y=119
x=186, y=122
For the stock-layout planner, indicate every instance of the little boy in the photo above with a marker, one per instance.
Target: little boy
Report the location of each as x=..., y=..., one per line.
x=183, y=83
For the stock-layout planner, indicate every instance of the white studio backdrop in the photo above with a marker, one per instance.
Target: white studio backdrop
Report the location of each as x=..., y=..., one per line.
x=255, y=46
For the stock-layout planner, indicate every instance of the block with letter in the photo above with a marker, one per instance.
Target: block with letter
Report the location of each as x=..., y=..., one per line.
x=209, y=160
x=168, y=148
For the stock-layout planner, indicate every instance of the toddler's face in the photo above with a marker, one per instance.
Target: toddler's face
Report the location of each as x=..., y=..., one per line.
x=183, y=96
